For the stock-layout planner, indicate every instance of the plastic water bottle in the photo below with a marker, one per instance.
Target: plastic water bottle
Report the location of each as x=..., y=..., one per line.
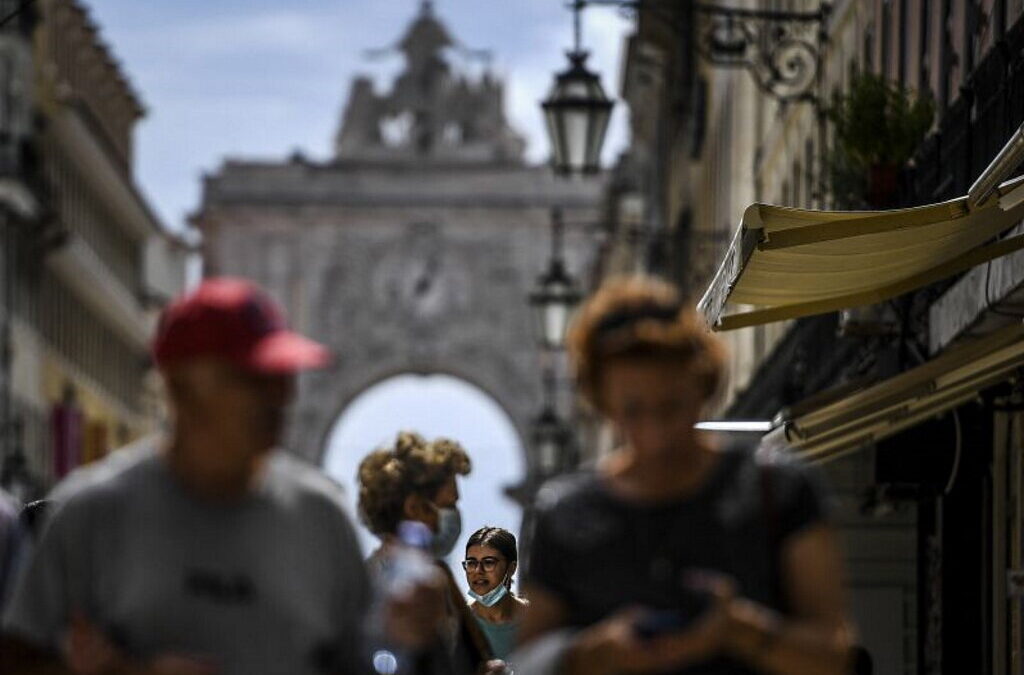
x=407, y=565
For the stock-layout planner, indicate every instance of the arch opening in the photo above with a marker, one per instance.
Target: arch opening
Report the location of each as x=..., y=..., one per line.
x=434, y=405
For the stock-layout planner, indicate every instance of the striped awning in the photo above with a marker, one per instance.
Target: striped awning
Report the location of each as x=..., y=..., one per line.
x=785, y=263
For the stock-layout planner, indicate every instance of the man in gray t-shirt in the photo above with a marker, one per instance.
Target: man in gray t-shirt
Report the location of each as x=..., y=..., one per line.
x=207, y=551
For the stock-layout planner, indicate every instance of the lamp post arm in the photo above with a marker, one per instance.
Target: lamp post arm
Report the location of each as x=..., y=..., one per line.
x=715, y=10
x=549, y=388
x=557, y=235
x=761, y=14
x=1008, y=159
x=577, y=29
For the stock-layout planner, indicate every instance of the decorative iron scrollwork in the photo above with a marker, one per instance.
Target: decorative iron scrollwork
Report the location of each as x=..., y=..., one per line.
x=781, y=50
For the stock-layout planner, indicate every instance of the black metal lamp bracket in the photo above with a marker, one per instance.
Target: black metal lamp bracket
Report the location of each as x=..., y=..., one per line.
x=781, y=50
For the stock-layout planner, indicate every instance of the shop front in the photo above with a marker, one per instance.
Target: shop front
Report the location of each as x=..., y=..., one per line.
x=924, y=448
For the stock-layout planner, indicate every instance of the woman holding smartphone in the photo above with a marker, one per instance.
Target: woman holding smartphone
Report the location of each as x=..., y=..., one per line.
x=677, y=554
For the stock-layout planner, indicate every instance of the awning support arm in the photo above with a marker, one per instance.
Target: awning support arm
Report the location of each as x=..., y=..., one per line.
x=963, y=263
x=1008, y=159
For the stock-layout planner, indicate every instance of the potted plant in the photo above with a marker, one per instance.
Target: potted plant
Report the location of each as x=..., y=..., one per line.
x=878, y=126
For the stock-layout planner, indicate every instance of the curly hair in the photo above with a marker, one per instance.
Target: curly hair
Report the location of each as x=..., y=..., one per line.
x=411, y=466
x=641, y=317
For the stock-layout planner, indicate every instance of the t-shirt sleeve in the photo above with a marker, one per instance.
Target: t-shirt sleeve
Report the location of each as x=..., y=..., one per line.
x=352, y=597
x=10, y=539
x=42, y=594
x=801, y=496
x=546, y=559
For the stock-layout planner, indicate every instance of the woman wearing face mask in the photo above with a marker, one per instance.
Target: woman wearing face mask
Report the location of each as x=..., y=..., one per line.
x=491, y=560
x=414, y=480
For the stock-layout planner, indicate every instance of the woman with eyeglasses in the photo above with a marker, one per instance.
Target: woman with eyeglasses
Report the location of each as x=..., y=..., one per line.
x=491, y=561
x=679, y=553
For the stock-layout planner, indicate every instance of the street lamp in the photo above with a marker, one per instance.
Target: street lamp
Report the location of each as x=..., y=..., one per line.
x=551, y=436
x=577, y=112
x=780, y=49
x=556, y=294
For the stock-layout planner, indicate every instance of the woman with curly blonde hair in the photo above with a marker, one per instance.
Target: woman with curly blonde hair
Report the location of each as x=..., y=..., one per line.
x=677, y=554
x=414, y=480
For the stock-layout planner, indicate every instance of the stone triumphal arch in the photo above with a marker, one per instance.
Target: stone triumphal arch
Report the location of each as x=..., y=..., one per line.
x=414, y=248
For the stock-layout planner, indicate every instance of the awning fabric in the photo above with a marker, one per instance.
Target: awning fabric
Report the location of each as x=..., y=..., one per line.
x=787, y=263
x=883, y=409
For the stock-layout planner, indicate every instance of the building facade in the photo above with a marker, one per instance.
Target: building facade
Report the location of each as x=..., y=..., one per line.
x=929, y=506
x=86, y=262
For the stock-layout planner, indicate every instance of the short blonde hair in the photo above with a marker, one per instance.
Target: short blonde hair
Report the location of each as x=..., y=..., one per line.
x=641, y=317
x=387, y=476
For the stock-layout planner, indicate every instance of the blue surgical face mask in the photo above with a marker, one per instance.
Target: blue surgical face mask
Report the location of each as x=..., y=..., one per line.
x=493, y=596
x=449, y=527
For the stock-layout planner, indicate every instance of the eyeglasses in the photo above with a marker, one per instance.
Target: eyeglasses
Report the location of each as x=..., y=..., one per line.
x=488, y=564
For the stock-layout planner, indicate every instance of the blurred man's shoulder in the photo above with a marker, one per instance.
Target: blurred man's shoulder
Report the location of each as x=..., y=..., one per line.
x=8, y=504
x=297, y=477
x=116, y=470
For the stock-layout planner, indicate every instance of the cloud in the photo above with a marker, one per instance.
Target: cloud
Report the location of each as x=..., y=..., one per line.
x=245, y=77
x=268, y=32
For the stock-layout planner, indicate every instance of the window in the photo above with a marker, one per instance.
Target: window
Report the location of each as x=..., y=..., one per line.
x=72, y=330
x=810, y=189
x=946, y=55
x=798, y=197
x=924, y=78
x=999, y=8
x=87, y=216
x=902, y=42
x=886, y=36
x=869, y=49
x=971, y=41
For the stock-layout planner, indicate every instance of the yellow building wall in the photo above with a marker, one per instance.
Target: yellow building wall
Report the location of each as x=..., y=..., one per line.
x=39, y=379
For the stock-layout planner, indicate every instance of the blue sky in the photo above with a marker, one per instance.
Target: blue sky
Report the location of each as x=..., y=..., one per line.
x=262, y=78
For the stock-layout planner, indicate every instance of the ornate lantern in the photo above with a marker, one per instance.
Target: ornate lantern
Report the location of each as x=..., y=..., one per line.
x=556, y=294
x=577, y=113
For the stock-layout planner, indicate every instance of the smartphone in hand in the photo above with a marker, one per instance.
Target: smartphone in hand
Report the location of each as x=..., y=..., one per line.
x=655, y=623
x=691, y=604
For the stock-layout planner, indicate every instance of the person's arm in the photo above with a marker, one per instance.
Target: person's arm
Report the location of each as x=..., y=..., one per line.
x=818, y=639
x=19, y=656
x=98, y=657
x=550, y=647
x=35, y=617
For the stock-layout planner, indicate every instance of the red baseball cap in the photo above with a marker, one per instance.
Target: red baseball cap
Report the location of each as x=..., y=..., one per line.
x=236, y=320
